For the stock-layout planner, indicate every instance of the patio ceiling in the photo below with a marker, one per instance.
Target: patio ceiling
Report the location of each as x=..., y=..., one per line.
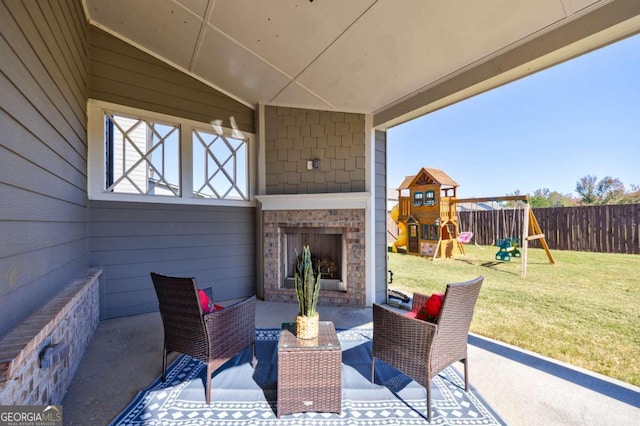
x=393, y=59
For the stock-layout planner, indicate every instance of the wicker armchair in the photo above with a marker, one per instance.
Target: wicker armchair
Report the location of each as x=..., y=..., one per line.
x=213, y=338
x=421, y=349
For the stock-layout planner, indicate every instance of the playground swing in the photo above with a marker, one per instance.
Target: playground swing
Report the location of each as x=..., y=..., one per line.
x=508, y=246
x=465, y=237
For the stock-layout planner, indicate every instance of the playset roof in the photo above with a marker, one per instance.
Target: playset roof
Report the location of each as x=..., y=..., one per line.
x=437, y=175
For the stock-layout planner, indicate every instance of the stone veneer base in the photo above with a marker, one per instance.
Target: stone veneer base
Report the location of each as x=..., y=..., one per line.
x=71, y=318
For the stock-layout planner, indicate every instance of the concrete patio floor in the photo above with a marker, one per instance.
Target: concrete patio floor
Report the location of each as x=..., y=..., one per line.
x=524, y=388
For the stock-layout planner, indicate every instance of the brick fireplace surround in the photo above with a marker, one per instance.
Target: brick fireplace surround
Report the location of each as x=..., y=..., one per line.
x=352, y=220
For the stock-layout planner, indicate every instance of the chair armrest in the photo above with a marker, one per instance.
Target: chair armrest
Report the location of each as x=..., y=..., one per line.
x=233, y=328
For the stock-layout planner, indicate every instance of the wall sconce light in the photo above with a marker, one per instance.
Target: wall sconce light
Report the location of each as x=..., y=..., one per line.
x=313, y=164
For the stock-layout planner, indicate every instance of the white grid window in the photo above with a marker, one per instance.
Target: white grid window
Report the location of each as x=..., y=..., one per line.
x=219, y=166
x=142, y=156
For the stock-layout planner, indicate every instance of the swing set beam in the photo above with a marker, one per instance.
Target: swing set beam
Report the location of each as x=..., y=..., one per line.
x=481, y=199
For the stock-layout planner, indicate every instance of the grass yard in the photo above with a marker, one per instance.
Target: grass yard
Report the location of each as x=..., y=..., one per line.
x=584, y=310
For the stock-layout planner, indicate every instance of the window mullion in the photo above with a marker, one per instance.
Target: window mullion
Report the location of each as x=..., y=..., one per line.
x=186, y=161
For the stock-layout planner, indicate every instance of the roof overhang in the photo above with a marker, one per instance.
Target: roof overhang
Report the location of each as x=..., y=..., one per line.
x=393, y=60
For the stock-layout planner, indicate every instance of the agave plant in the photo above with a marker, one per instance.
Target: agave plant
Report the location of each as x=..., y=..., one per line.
x=307, y=283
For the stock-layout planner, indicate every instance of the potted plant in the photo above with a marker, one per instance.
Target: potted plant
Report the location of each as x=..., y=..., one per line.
x=307, y=291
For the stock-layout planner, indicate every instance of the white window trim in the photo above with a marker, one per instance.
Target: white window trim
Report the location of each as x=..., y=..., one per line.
x=96, y=161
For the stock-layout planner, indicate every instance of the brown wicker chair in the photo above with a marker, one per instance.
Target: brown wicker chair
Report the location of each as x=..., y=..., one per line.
x=421, y=349
x=213, y=338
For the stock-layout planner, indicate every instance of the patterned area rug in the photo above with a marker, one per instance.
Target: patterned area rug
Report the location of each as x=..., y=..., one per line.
x=241, y=395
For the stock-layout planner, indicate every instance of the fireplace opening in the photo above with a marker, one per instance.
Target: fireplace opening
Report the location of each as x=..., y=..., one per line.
x=327, y=250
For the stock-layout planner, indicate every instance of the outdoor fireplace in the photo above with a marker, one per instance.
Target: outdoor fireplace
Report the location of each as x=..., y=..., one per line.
x=327, y=248
x=334, y=227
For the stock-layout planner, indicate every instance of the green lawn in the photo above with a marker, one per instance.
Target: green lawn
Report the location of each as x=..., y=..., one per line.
x=584, y=310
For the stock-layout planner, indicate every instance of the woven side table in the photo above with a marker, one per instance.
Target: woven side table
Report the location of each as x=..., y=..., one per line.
x=309, y=371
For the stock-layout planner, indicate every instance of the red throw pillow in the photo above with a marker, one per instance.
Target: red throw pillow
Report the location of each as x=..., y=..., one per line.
x=205, y=303
x=431, y=309
x=422, y=314
x=433, y=305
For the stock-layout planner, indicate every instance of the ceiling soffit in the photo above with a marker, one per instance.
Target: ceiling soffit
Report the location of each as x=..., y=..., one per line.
x=383, y=57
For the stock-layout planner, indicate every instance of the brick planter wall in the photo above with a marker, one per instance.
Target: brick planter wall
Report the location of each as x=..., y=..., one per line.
x=70, y=318
x=352, y=220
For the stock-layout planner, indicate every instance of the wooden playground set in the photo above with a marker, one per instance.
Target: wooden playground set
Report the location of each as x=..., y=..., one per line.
x=427, y=219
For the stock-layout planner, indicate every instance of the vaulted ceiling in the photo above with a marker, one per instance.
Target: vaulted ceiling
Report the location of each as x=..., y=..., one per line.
x=395, y=59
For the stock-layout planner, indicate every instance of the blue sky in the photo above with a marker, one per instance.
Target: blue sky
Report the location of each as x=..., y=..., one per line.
x=546, y=130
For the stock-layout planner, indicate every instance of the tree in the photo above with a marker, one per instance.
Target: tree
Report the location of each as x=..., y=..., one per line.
x=586, y=188
x=610, y=190
x=606, y=191
x=544, y=197
x=540, y=198
x=633, y=196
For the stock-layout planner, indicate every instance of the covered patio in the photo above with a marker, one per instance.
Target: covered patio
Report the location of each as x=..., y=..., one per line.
x=522, y=387
x=249, y=125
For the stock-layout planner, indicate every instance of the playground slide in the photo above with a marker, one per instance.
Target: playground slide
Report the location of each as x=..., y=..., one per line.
x=401, y=241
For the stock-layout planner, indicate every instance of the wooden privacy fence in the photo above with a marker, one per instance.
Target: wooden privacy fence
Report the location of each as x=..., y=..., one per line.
x=603, y=229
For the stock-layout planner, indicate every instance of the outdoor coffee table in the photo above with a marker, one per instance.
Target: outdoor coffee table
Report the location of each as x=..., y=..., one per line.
x=309, y=371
